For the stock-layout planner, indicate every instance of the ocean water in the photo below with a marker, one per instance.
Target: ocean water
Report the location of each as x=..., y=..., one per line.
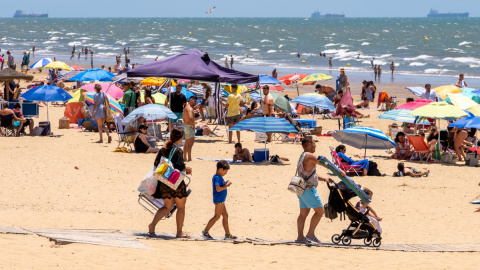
x=453, y=45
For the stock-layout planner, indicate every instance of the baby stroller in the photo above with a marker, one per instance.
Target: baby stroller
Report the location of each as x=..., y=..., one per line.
x=360, y=226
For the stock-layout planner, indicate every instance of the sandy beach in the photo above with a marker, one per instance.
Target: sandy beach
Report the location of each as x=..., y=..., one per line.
x=41, y=187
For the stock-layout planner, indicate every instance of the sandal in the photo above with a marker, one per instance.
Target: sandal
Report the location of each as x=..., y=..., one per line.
x=151, y=234
x=206, y=235
x=230, y=236
x=314, y=239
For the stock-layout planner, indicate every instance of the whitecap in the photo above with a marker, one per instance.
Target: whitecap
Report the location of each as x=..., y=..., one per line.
x=331, y=44
x=384, y=55
x=238, y=44
x=464, y=43
x=54, y=38
x=190, y=39
x=466, y=60
x=76, y=43
x=436, y=71
x=474, y=66
x=201, y=29
x=417, y=64
x=265, y=40
x=271, y=51
x=71, y=34
x=162, y=44
x=254, y=50
x=365, y=43
x=211, y=41
x=280, y=46
x=420, y=57
x=50, y=42
x=375, y=34
x=84, y=38
x=385, y=31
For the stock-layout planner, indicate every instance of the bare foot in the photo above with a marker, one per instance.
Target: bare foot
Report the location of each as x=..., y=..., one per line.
x=109, y=139
x=151, y=229
x=99, y=142
x=183, y=235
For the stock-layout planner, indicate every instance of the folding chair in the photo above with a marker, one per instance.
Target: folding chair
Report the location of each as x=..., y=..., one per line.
x=123, y=137
x=352, y=169
x=152, y=205
x=8, y=125
x=420, y=147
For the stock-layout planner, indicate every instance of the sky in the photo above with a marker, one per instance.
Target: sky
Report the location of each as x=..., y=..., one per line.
x=238, y=8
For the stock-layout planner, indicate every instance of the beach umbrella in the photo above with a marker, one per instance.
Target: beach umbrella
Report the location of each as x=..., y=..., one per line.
x=443, y=91
x=151, y=112
x=315, y=100
x=57, y=65
x=47, y=93
x=77, y=68
x=279, y=101
x=112, y=90
x=114, y=105
x=418, y=91
x=467, y=122
x=470, y=95
x=364, y=138
x=41, y=63
x=265, y=125
x=159, y=97
x=292, y=78
x=414, y=104
x=93, y=74
x=265, y=79
x=475, y=110
x=156, y=81
x=461, y=102
x=439, y=110
x=403, y=116
x=468, y=89
x=315, y=77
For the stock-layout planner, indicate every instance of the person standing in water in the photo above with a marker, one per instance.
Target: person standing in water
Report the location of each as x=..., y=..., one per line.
x=33, y=50
x=231, y=61
x=330, y=64
x=392, y=67
x=226, y=62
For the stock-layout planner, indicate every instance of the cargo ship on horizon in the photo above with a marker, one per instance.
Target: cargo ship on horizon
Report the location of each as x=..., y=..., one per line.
x=20, y=14
x=434, y=14
x=317, y=14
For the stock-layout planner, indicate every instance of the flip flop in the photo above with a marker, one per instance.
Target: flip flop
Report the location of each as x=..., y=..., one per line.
x=151, y=234
x=314, y=239
x=207, y=235
x=230, y=236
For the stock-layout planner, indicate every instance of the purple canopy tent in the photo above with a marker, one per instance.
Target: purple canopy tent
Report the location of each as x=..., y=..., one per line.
x=194, y=65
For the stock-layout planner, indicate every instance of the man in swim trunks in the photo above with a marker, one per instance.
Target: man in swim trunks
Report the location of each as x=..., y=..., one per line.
x=189, y=121
x=234, y=101
x=326, y=90
x=177, y=101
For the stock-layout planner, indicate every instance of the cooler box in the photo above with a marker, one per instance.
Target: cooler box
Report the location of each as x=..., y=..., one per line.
x=261, y=154
x=63, y=123
x=311, y=122
x=471, y=159
x=46, y=128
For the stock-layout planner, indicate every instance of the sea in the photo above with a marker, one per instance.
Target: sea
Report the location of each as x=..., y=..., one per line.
x=433, y=47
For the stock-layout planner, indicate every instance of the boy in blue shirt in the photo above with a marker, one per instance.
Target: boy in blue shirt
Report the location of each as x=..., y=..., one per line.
x=219, y=195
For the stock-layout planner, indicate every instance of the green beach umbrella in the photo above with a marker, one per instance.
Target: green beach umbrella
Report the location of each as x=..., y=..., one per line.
x=279, y=101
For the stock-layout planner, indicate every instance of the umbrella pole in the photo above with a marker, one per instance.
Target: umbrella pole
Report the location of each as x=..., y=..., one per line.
x=48, y=118
x=365, y=154
x=298, y=92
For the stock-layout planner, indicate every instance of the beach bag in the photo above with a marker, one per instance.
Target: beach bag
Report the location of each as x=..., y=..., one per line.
x=297, y=183
x=106, y=108
x=149, y=183
x=167, y=174
x=330, y=212
x=86, y=111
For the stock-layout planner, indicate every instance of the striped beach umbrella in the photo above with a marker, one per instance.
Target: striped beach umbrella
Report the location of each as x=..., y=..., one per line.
x=41, y=63
x=114, y=106
x=264, y=125
x=315, y=77
x=402, y=116
x=364, y=138
x=151, y=112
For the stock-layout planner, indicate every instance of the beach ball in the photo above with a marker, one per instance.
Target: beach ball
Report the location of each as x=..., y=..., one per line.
x=73, y=36
x=426, y=38
x=303, y=61
x=111, y=31
x=348, y=64
x=190, y=33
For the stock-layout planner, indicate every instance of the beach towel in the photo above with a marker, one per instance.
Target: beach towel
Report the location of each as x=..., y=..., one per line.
x=345, y=105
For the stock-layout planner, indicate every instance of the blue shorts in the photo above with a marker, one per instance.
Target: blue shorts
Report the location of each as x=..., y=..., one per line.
x=310, y=199
x=179, y=117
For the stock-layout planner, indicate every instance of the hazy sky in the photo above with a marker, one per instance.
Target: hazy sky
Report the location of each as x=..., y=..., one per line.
x=238, y=8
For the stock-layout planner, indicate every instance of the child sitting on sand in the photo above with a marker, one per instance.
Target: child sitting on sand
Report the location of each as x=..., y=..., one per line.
x=410, y=171
x=372, y=215
x=219, y=196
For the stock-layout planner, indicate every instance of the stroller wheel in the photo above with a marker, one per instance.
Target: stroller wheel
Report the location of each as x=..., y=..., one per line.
x=376, y=242
x=367, y=241
x=336, y=238
x=346, y=240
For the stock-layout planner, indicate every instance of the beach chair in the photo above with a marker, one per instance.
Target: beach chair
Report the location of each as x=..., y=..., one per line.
x=9, y=126
x=347, y=122
x=123, y=137
x=421, y=149
x=152, y=205
x=88, y=125
x=348, y=169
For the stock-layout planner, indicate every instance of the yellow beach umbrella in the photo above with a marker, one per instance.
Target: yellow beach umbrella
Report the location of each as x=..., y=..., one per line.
x=439, y=110
x=157, y=81
x=315, y=77
x=57, y=65
x=443, y=91
x=462, y=102
x=159, y=97
x=475, y=110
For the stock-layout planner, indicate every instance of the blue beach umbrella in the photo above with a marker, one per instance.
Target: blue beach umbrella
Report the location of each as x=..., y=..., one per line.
x=93, y=74
x=470, y=94
x=467, y=122
x=151, y=112
x=416, y=90
x=265, y=79
x=184, y=91
x=402, y=116
x=314, y=100
x=364, y=138
x=41, y=63
x=47, y=93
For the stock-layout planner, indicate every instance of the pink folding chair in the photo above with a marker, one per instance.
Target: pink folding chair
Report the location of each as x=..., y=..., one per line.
x=348, y=169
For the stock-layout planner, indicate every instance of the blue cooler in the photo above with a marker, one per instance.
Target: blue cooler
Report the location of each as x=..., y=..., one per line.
x=261, y=154
x=311, y=122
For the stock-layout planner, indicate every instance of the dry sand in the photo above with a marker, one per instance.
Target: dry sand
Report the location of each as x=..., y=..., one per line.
x=40, y=187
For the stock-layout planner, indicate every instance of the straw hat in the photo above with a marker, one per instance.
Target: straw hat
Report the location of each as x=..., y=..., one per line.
x=342, y=69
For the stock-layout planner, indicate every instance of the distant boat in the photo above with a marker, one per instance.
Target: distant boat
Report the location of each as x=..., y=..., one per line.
x=434, y=14
x=20, y=14
x=317, y=14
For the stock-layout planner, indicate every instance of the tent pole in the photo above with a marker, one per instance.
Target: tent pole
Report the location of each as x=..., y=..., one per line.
x=218, y=103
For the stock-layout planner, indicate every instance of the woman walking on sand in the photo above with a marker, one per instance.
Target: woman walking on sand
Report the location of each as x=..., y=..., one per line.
x=99, y=100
